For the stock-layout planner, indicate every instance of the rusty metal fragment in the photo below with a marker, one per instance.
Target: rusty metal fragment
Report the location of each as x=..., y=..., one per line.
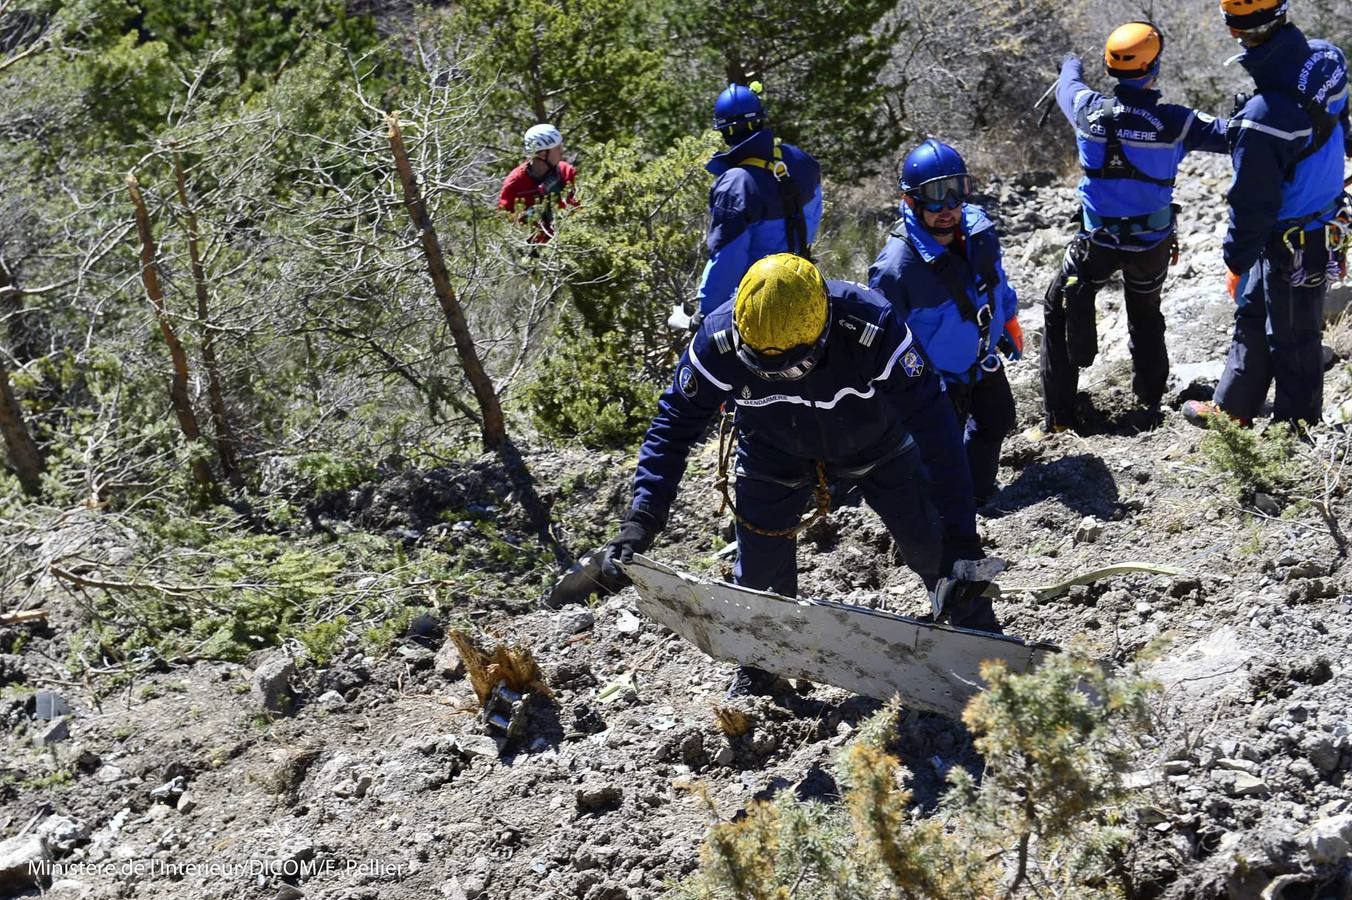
x=877, y=654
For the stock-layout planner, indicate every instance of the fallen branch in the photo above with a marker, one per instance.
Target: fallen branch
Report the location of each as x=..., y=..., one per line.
x=23, y=616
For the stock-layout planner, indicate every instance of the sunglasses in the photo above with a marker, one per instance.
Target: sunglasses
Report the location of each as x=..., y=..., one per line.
x=948, y=192
x=791, y=365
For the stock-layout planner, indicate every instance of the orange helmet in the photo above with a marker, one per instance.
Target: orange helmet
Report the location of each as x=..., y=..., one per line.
x=1133, y=50
x=1246, y=15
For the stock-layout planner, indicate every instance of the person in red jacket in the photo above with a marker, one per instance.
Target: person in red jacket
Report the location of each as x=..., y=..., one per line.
x=544, y=176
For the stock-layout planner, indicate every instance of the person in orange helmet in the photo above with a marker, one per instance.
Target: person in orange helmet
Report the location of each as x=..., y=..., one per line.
x=1130, y=144
x=1287, y=216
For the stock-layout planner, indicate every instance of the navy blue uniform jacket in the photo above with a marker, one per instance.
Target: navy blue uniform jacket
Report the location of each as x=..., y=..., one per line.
x=871, y=392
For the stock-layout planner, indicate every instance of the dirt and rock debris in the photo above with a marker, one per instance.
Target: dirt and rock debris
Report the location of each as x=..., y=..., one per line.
x=370, y=776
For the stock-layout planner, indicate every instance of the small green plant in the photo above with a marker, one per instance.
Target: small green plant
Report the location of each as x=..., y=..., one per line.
x=1252, y=462
x=324, y=472
x=322, y=639
x=383, y=636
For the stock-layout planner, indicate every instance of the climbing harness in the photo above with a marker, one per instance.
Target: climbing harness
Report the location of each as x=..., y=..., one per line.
x=795, y=227
x=727, y=442
x=1115, y=161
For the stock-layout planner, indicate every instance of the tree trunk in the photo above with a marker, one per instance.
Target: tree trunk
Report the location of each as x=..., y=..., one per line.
x=178, y=383
x=494, y=429
x=226, y=444
x=24, y=455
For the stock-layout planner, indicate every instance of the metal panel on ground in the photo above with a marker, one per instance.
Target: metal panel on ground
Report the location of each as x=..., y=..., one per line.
x=877, y=654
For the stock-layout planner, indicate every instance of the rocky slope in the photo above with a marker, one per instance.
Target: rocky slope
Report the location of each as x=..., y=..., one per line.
x=369, y=777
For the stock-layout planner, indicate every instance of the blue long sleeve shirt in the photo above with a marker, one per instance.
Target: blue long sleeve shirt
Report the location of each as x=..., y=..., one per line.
x=1155, y=138
x=746, y=212
x=1271, y=130
x=904, y=274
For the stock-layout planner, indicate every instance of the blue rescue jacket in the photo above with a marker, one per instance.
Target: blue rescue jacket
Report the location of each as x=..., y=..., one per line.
x=871, y=393
x=905, y=273
x=746, y=212
x=1130, y=170
x=1267, y=136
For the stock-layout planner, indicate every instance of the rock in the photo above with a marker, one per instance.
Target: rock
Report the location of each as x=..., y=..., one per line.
x=447, y=663
x=12, y=669
x=289, y=892
x=332, y=700
x=424, y=625
x=62, y=833
x=1088, y=531
x=186, y=804
x=1322, y=753
x=597, y=796
x=56, y=731
x=1266, y=503
x=1177, y=767
x=108, y=774
x=1328, y=841
x=50, y=705
x=18, y=857
x=271, y=685
x=627, y=623
x=1239, y=765
x=170, y=791
x=1246, y=785
x=293, y=851
x=573, y=621
x=478, y=745
x=451, y=889
x=417, y=658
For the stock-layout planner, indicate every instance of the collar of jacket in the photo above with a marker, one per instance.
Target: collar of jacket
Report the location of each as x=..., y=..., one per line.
x=1275, y=64
x=974, y=221
x=1137, y=96
x=760, y=144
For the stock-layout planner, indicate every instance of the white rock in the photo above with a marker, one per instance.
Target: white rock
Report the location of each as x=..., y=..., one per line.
x=627, y=623
x=18, y=856
x=1329, y=840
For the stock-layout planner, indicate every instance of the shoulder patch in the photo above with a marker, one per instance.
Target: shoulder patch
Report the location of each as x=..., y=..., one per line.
x=723, y=340
x=687, y=382
x=913, y=362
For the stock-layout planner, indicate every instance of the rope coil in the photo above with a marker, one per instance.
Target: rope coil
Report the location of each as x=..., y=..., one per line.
x=821, y=492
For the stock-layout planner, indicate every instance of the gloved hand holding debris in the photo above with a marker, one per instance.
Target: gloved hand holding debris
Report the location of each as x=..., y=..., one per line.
x=637, y=532
x=958, y=597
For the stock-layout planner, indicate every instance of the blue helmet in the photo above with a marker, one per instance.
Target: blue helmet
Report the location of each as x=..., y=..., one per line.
x=738, y=105
x=935, y=176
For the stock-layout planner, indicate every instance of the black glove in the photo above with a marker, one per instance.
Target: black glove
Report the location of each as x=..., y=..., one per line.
x=637, y=532
x=959, y=595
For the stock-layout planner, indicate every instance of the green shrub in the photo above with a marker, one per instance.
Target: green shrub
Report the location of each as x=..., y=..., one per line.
x=593, y=390
x=1050, y=804
x=1249, y=460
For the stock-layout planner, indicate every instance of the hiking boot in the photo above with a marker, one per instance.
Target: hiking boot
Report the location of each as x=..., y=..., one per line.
x=750, y=680
x=1039, y=433
x=1200, y=413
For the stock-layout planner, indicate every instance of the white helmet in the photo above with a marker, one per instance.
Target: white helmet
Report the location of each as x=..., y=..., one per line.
x=542, y=137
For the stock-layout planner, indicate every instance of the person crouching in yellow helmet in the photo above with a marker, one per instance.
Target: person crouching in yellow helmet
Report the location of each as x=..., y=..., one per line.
x=1130, y=145
x=827, y=384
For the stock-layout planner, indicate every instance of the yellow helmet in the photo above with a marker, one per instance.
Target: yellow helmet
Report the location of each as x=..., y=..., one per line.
x=1248, y=15
x=780, y=316
x=1133, y=51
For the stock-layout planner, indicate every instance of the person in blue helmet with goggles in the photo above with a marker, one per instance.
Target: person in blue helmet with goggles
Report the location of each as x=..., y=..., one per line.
x=1289, y=222
x=766, y=197
x=941, y=269
x=1130, y=146
x=828, y=386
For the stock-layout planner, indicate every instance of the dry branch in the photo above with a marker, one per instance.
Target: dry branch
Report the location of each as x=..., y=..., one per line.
x=178, y=383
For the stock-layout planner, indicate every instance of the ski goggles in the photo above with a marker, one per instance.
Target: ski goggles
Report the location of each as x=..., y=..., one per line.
x=948, y=192
x=791, y=365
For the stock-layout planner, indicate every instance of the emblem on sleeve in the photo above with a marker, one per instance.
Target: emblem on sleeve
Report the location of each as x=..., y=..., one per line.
x=687, y=381
x=913, y=363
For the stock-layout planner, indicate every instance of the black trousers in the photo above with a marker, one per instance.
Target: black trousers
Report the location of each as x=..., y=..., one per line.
x=986, y=411
x=1070, y=334
x=1278, y=330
